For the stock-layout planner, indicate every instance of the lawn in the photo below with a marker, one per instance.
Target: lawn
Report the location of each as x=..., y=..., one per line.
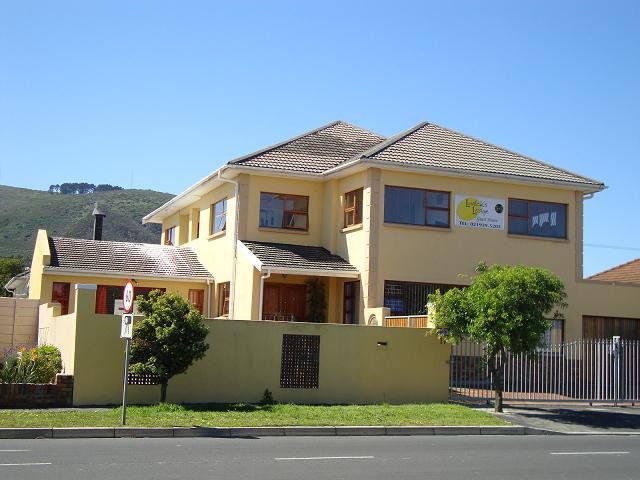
x=249, y=415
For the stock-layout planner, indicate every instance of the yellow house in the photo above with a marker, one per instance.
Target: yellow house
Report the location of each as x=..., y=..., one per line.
x=375, y=224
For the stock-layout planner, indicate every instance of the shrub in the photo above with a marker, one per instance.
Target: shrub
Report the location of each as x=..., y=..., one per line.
x=38, y=365
x=48, y=363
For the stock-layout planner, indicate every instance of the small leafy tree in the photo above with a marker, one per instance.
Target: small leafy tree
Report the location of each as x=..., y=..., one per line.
x=170, y=338
x=506, y=307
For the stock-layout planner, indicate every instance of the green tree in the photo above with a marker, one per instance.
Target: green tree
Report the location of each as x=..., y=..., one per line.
x=9, y=268
x=506, y=307
x=170, y=338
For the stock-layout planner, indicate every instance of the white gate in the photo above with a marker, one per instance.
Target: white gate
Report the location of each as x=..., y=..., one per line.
x=587, y=371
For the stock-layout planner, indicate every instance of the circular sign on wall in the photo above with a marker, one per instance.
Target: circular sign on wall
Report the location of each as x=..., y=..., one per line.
x=127, y=297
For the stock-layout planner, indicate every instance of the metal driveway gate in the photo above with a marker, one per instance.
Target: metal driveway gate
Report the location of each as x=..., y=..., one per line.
x=606, y=370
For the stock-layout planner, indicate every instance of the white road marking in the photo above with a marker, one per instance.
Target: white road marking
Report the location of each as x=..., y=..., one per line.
x=364, y=457
x=588, y=453
x=24, y=464
x=15, y=450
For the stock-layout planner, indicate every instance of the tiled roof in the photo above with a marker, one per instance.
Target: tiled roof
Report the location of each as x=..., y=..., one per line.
x=626, y=273
x=124, y=257
x=284, y=255
x=315, y=151
x=429, y=145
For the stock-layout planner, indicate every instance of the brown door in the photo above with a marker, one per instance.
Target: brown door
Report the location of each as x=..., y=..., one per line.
x=271, y=301
x=294, y=301
x=284, y=301
x=351, y=302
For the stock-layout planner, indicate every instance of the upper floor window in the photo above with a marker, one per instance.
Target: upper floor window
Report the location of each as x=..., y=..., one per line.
x=353, y=208
x=170, y=236
x=415, y=206
x=539, y=219
x=219, y=216
x=284, y=211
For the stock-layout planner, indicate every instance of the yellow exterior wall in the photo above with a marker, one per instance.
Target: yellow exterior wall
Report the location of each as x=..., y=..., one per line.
x=60, y=330
x=244, y=358
x=383, y=251
x=170, y=285
x=41, y=257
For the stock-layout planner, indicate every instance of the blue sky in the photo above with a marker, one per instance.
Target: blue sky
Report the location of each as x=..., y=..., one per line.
x=155, y=94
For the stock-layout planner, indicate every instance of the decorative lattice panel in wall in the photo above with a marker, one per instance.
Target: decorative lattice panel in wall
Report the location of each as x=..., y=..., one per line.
x=300, y=361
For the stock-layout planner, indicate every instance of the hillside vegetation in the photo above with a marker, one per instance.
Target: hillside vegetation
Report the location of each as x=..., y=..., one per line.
x=24, y=211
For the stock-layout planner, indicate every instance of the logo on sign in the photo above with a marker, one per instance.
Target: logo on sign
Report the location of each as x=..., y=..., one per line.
x=479, y=212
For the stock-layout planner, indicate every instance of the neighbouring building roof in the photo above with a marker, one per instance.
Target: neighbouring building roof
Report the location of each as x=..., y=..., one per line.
x=432, y=146
x=626, y=273
x=314, y=151
x=142, y=259
x=283, y=257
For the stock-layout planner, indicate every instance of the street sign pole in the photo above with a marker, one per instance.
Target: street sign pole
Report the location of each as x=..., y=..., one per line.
x=125, y=382
x=126, y=332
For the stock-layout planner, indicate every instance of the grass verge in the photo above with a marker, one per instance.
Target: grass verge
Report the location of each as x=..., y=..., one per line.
x=250, y=415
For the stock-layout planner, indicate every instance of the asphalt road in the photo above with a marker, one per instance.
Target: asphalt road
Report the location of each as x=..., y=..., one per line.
x=371, y=458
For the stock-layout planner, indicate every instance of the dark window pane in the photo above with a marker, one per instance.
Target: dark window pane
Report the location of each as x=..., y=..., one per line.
x=410, y=298
x=438, y=218
x=438, y=199
x=271, y=210
x=404, y=205
x=519, y=226
x=296, y=220
x=298, y=204
x=547, y=219
x=519, y=208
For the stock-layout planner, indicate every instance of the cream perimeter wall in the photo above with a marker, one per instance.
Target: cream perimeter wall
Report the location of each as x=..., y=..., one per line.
x=244, y=359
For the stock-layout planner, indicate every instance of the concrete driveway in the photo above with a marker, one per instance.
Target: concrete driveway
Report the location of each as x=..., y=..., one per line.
x=573, y=419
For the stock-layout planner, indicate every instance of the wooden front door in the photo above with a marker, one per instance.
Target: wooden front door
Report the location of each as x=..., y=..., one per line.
x=283, y=301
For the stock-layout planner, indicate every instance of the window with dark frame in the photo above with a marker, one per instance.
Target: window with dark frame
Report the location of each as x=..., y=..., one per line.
x=219, y=216
x=60, y=293
x=416, y=206
x=353, y=208
x=537, y=219
x=300, y=364
x=223, y=299
x=284, y=211
x=170, y=236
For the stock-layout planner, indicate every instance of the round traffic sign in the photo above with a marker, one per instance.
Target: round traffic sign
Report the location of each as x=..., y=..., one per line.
x=127, y=297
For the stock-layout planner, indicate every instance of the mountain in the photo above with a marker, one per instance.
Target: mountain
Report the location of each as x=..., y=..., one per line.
x=24, y=211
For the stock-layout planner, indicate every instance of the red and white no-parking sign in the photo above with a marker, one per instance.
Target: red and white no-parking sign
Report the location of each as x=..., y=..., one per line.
x=127, y=297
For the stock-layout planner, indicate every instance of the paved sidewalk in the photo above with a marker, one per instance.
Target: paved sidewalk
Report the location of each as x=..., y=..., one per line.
x=575, y=419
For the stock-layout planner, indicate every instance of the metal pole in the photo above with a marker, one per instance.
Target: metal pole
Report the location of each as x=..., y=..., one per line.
x=125, y=382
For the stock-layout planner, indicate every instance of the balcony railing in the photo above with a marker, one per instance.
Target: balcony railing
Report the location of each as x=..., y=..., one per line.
x=407, y=321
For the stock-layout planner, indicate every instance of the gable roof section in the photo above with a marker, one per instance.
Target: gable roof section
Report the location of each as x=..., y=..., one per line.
x=434, y=147
x=626, y=273
x=124, y=258
x=315, y=151
x=287, y=258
